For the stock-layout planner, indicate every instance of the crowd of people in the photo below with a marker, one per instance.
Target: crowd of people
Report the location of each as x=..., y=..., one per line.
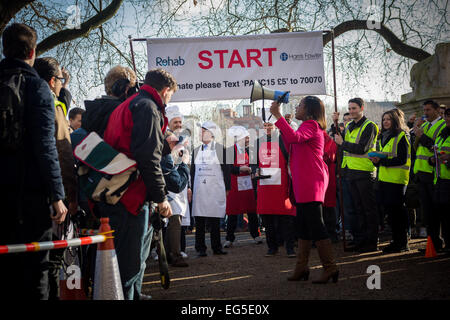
x=287, y=181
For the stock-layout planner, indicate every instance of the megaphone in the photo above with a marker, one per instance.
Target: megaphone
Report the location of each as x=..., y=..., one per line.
x=260, y=92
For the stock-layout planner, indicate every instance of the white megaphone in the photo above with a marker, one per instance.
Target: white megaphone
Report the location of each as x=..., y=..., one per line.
x=259, y=92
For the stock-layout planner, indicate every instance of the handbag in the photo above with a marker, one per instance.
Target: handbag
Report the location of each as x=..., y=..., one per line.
x=105, y=173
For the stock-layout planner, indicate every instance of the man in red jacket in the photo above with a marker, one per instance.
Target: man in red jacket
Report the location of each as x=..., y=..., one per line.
x=136, y=128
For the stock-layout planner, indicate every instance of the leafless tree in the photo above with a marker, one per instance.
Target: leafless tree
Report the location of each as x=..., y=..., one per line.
x=408, y=31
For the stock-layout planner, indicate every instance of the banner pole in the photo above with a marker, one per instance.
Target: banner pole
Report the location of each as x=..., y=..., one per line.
x=132, y=54
x=338, y=156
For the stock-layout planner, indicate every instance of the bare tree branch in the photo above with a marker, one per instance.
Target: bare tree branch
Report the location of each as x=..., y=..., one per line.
x=85, y=28
x=397, y=45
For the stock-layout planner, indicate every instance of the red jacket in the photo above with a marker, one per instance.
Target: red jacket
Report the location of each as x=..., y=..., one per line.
x=329, y=156
x=136, y=128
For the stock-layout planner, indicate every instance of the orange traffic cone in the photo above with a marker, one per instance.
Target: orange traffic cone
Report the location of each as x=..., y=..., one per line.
x=430, y=252
x=107, y=284
x=71, y=283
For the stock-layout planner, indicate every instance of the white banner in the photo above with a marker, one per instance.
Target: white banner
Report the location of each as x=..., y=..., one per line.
x=220, y=68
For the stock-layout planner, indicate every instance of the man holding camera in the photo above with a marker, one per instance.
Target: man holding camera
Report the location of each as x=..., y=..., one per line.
x=178, y=198
x=136, y=128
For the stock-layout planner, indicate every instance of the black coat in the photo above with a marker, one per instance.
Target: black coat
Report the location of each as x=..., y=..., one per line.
x=39, y=160
x=97, y=113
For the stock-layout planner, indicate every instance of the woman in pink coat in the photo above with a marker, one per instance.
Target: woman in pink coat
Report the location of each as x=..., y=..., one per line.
x=309, y=181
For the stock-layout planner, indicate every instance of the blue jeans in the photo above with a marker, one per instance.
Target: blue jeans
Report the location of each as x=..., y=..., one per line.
x=132, y=238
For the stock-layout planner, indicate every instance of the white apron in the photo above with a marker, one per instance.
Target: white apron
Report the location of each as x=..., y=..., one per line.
x=179, y=202
x=209, y=196
x=180, y=206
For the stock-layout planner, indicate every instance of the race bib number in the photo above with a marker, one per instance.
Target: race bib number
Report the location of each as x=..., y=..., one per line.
x=275, y=178
x=244, y=183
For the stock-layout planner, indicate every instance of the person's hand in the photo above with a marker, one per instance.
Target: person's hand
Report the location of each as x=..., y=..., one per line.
x=245, y=169
x=66, y=77
x=165, y=209
x=275, y=110
x=227, y=192
x=418, y=132
x=60, y=212
x=73, y=208
x=186, y=158
x=189, y=194
x=335, y=116
x=338, y=139
x=374, y=160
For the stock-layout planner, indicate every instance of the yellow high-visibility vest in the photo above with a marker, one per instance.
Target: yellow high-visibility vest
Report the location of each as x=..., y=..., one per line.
x=423, y=153
x=395, y=174
x=359, y=161
x=443, y=171
x=62, y=105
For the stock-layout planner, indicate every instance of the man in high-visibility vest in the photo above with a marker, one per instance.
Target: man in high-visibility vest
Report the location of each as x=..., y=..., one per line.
x=360, y=136
x=441, y=161
x=425, y=139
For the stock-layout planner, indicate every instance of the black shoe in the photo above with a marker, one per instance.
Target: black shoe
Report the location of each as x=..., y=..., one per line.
x=271, y=252
x=353, y=247
x=220, y=251
x=394, y=248
x=179, y=263
x=145, y=297
x=202, y=254
x=291, y=253
x=367, y=248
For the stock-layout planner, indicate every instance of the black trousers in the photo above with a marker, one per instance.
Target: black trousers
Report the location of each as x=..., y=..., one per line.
x=442, y=205
x=329, y=218
x=183, y=238
x=367, y=217
x=392, y=197
x=214, y=227
x=430, y=213
x=279, y=227
x=309, y=222
x=253, y=226
x=172, y=237
x=24, y=275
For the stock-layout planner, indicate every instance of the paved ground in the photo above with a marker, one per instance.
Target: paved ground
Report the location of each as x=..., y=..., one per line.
x=245, y=274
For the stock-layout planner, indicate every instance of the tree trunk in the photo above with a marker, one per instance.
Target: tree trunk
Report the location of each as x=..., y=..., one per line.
x=8, y=9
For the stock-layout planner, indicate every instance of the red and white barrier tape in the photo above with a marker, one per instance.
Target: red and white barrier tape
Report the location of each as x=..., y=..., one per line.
x=49, y=245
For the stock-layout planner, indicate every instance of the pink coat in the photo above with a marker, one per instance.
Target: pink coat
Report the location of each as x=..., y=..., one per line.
x=309, y=171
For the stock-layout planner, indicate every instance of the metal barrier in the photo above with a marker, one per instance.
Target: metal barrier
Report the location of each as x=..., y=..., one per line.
x=57, y=244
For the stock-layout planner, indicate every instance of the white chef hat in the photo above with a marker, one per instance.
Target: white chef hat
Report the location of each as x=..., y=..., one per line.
x=238, y=131
x=210, y=126
x=172, y=112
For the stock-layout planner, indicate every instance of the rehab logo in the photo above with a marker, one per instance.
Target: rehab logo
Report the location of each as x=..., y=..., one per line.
x=169, y=62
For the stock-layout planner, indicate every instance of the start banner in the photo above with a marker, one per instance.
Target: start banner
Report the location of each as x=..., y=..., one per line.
x=221, y=68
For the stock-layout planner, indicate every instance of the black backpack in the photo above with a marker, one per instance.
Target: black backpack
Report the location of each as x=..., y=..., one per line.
x=12, y=104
